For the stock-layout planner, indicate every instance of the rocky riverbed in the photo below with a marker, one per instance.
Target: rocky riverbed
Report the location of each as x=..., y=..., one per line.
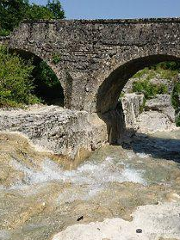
x=124, y=189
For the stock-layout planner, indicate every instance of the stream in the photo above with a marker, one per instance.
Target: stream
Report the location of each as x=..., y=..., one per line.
x=39, y=197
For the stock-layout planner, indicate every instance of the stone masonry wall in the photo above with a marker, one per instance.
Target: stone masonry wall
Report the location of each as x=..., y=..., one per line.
x=98, y=57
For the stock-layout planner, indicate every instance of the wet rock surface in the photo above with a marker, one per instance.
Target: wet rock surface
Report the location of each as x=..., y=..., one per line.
x=44, y=198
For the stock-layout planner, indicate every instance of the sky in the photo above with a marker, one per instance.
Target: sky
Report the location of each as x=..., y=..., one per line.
x=118, y=9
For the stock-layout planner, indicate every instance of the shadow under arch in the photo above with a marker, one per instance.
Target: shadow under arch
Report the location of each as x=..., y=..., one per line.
x=108, y=107
x=51, y=93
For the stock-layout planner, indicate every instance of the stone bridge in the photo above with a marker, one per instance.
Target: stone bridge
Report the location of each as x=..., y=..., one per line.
x=97, y=57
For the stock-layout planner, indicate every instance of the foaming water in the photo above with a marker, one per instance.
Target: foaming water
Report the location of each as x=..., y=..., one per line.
x=47, y=171
x=89, y=179
x=88, y=173
x=93, y=176
x=112, y=182
x=131, y=175
x=143, y=155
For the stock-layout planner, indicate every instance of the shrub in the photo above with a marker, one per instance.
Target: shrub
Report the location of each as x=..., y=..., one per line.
x=12, y=12
x=141, y=73
x=56, y=58
x=148, y=89
x=175, y=95
x=178, y=121
x=4, y=32
x=16, y=82
x=47, y=84
x=143, y=105
x=166, y=70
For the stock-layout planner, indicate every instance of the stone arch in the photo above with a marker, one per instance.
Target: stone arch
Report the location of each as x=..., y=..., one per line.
x=110, y=89
x=107, y=106
x=36, y=61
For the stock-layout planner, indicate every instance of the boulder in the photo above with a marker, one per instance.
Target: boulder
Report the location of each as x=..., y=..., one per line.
x=65, y=132
x=162, y=104
x=158, y=114
x=151, y=121
x=131, y=103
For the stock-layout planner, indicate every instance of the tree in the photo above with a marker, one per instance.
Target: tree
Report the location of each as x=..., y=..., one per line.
x=56, y=8
x=12, y=12
x=36, y=12
x=16, y=82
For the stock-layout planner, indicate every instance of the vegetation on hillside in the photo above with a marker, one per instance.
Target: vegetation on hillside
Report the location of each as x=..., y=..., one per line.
x=163, y=70
x=150, y=90
x=175, y=99
x=12, y=12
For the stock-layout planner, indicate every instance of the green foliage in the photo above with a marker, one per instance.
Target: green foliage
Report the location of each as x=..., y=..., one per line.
x=56, y=58
x=176, y=101
x=178, y=121
x=47, y=84
x=46, y=75
x=16, y=83
x=141, y=73
x=122, y=94
x=36, y=12
x=21, y=83
x=12, y=12
x=173, y=66
x=175, y=95
x=148, y=89
x=55, y=8
x=143, y=105
x=4, y=32
x=164, y=70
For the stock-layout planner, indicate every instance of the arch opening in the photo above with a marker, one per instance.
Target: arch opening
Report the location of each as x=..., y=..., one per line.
x=109, y=107
x=47, y=86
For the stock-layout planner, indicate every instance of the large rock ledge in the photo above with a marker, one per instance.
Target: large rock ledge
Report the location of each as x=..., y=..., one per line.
x=150, y=222
x=71, y=133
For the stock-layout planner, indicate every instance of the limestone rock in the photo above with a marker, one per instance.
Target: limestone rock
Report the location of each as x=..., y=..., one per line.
x=63, y=131
x=158, y=114
x=155, y=222
x=161, y=103
x=152, y=121
x=132, y=103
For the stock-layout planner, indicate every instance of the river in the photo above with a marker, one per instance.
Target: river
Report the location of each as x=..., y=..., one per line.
x=39, y=197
